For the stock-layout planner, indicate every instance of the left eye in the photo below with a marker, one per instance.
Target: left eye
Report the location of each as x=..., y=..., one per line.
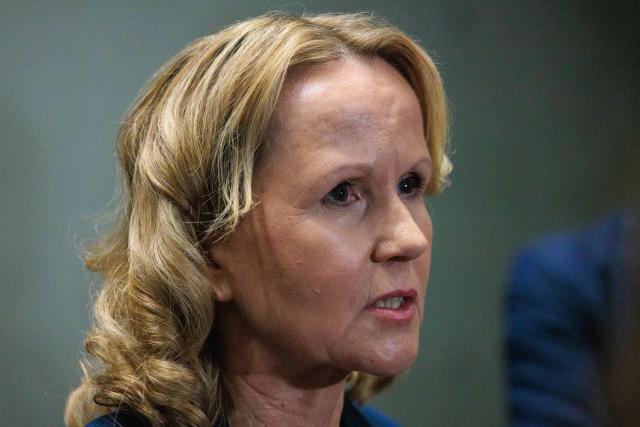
x=342, y=194
x=410, y=185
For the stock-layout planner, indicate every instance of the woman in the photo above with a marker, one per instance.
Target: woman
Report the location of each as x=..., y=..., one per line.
x=273, y=242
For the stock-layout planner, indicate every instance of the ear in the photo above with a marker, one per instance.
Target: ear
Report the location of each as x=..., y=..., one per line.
x=219, y=278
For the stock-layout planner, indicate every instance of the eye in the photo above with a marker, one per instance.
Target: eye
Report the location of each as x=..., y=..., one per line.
x=411, y=185
x=342, y=194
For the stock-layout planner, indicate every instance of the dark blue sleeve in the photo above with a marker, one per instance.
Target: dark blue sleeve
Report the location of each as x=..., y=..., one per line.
x=554, y=320
x=104, y=421
x=376, y=418
x=118, y=419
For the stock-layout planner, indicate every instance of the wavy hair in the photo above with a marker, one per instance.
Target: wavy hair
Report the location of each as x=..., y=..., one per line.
x=187, y=149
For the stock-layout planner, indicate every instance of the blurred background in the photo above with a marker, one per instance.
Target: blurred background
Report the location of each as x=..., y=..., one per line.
x=545, y=106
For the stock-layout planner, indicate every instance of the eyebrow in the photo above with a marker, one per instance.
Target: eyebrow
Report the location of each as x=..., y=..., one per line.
x=366, y=168
x=425, y=160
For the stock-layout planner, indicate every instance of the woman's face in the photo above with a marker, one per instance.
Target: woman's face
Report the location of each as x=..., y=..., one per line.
x=329, y=270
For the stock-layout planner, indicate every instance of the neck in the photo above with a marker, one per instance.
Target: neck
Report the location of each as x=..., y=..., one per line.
x=268, y=386
x=263, y=400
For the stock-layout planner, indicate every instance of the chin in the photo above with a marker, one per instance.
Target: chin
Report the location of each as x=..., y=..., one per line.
x=391, y=359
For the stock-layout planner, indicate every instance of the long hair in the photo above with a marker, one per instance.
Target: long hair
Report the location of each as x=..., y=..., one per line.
x=187, y=149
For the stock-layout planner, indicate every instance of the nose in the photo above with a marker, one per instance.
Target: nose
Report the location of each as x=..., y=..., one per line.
x=400, y=237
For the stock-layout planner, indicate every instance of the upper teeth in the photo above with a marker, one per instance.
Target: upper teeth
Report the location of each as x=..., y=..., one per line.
x=394, y=302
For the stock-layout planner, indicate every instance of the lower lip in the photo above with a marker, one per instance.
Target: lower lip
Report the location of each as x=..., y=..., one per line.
x=400, y=314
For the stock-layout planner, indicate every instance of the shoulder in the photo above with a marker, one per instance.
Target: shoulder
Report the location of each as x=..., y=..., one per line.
x=373, y=417
x=377, y=418
x=563, y=252
x=118, y=419
x=574, y=265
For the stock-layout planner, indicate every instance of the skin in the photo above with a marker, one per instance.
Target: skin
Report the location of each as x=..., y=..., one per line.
x=297, y=278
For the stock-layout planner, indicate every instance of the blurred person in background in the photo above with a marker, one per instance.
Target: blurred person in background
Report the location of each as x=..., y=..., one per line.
x=573, y=328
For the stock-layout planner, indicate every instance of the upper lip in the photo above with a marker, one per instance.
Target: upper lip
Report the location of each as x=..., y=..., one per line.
x=407, y=294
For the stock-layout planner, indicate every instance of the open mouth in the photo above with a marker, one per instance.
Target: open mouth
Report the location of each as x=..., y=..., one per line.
x=398, y=301
x=398, y=306
x=393, y=303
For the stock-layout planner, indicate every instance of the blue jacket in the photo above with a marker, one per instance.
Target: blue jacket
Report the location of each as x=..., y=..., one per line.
x=567, y=307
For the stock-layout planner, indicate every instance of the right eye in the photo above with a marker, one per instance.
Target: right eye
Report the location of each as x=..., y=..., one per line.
x=342, y=194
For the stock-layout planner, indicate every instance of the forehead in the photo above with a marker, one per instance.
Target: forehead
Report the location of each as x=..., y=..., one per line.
x=345, y=97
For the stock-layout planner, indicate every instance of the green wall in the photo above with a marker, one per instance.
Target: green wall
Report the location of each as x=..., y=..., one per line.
x=545, y=134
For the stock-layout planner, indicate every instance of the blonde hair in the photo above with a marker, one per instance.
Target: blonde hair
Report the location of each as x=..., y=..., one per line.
x=187, y=149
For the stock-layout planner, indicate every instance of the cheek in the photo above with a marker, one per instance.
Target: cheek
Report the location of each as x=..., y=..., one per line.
x=423, y=219
x=323, y=266
x=423, y=263
x=420, y=265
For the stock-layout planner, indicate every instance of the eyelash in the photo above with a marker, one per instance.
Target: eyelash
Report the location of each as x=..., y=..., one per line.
x=349, y=186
